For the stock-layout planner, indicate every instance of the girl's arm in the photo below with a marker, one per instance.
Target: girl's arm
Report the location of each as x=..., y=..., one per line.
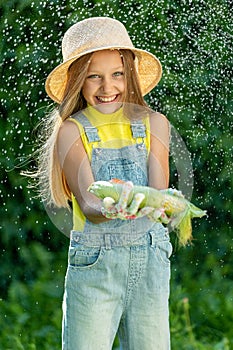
x=159, y=152
x=77, y=170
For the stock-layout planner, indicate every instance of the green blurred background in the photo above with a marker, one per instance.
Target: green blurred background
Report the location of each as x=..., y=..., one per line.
x=193, y=40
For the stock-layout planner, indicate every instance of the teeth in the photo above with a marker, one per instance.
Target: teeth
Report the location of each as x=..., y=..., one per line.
x=106, y=99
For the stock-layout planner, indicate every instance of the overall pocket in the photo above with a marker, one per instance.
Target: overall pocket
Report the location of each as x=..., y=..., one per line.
x=162, y=245
x=81, y=256
x=164, y=250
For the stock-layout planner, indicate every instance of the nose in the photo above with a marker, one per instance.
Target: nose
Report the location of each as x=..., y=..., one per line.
x=106, y=85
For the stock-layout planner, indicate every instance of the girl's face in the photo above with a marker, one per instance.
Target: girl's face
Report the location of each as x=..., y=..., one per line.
x=104, y=85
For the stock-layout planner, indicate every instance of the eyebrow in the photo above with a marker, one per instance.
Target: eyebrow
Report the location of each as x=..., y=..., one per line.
x=115, y=68
x=119, y=66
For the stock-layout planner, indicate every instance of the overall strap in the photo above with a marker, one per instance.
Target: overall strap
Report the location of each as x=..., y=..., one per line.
x=90, y=130
x=138, y=129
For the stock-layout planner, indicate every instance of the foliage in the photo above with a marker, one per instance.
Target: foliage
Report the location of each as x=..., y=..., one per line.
x=193, y=41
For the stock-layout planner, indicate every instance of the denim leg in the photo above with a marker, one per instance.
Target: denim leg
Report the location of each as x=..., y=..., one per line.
x=93, y=298
x=88, y=325
x=145, y=322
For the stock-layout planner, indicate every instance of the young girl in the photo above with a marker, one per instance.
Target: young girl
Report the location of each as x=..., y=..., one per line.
x=117, y=280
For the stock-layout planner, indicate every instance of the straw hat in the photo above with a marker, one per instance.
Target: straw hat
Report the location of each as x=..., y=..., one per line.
x=94, y=34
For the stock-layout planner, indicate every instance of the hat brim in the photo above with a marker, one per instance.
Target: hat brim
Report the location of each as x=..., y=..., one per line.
x=149, y=72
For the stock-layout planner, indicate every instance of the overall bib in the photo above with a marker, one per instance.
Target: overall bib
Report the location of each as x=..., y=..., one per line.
x=118, y=272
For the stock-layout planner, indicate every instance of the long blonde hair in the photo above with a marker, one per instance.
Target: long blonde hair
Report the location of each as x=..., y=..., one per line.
x=52, y=185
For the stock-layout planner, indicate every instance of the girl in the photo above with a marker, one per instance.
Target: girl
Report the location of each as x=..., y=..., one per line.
x=117, y=280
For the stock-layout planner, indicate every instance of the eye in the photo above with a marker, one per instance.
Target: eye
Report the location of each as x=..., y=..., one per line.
x=118, y=74
x=93, y=76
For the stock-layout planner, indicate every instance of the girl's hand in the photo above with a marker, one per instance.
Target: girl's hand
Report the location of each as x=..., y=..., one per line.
x=173, y=192
x=159, y=215
x=121, y=210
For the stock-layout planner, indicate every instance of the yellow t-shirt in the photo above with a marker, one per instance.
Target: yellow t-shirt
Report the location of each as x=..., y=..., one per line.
x=115, y=132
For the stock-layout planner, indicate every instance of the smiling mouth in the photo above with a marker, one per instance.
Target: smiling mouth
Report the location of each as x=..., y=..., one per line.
x=105, y=99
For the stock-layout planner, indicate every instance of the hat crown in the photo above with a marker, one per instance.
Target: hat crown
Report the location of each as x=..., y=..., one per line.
x=94, y=34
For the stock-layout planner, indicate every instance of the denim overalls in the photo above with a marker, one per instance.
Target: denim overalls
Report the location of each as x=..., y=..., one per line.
x=118, y=274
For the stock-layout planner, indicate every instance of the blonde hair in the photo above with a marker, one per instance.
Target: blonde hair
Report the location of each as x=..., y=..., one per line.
x=52, y=185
